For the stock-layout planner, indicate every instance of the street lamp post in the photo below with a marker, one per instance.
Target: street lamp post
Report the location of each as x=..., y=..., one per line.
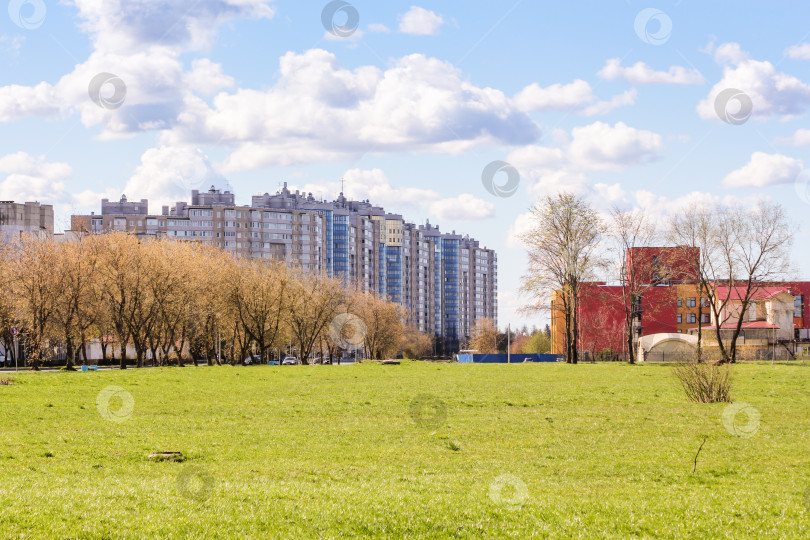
x=509, y=343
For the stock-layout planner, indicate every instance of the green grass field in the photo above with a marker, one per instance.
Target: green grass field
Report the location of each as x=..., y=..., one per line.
x=357, y=451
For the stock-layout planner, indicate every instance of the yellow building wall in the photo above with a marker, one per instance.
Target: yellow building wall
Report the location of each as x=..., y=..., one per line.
x=684, y=293
x=557, y=325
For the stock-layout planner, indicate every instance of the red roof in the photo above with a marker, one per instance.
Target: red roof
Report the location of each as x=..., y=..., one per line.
x=757, y=292
x=746, y=325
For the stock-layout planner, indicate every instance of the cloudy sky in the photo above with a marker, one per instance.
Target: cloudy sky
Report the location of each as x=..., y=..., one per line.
x=625, y=103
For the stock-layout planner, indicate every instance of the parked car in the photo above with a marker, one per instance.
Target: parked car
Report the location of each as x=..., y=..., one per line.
x=2, y=360
x=290, y=361
x=272, y=362
x=253, y=359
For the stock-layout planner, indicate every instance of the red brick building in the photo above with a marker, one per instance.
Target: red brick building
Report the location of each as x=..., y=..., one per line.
x=666, y=277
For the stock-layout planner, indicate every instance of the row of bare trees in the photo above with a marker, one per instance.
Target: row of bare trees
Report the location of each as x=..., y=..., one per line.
x=174, y=301
x=570, y=243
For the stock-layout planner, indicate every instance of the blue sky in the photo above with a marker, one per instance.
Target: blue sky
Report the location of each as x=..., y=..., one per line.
x=615, y=101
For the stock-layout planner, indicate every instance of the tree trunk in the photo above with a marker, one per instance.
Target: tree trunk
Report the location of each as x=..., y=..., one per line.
x=575, y=325
x=122, y=344
x=700, y=325
x=70, y=351
x=35, y=357
x=139, y=355
x=179, y=353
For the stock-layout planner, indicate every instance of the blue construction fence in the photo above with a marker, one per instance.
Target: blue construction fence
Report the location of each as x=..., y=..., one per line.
x=502, y=358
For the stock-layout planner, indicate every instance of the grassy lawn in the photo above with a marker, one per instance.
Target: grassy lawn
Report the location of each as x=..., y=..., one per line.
x=342, y=451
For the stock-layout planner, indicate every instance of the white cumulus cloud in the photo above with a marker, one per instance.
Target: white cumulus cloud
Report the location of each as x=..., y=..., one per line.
x=730, y=53
x=577, y=96
x=800, y=138
x=641, y=73
x=420, y=21
x=600, y=146
x=25, y=178
x=464, y=207
x=121, y=25
x=374, y=185
x=595, y=147
x=765, y=170
x=799, y=52
x=772, y=93
x=168, y=174
x=318, y=110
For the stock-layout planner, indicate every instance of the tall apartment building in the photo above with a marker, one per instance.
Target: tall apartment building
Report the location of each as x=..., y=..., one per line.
x=445, y=281
x=29, y=217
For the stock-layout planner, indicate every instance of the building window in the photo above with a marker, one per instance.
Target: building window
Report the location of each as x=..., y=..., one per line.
x=798, y=306
x=704, y=317
x=691, y=318
x=691, y=302
x=680, y=318
x=679, y=302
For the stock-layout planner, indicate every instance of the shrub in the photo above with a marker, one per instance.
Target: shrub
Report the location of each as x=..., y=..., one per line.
x=705, y=382
x=608, y=355
x=538, y=343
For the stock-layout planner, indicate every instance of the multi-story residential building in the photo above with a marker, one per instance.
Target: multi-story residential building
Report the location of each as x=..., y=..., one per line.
x=445, y=281
x=29, y=217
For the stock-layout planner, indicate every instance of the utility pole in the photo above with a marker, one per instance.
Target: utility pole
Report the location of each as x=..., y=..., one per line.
x=509, y=343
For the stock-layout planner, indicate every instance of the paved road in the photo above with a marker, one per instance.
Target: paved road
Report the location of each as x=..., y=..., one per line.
x=108, y=368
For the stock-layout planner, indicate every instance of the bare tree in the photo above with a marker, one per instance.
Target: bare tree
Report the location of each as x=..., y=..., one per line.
x=259, y=300
x=122, y=274
x=640, y=269
x=314, y=301
x=484, y=337
x=691, y=231
x=74, y=282
x=742, y=248
x=384, y=323
x=7, y=312
x=562, y=245
x=416, y=344
x=35, y=296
